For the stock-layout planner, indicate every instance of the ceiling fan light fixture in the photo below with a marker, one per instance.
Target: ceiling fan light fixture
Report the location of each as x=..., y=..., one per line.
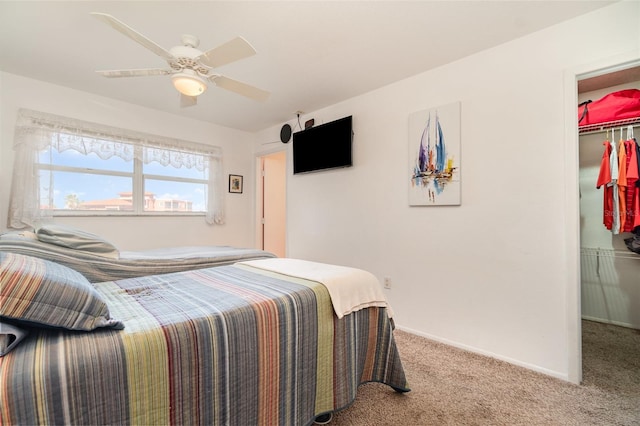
x=189, y=67
x=189, y=84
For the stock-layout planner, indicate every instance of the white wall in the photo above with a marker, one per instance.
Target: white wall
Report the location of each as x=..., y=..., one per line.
x=490, y=275
x=134, y=233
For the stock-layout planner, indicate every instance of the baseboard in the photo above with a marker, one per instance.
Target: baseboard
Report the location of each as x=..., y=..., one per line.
x=536, y=368
x=606, y=321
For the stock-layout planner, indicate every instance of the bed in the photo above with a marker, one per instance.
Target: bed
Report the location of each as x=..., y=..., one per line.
x=263, y=342
x=99, y=260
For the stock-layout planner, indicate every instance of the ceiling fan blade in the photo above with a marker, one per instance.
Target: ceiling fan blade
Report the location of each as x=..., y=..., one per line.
x=187, y=101
x=240, y=88
x=231, y=51
x=134, y=73
x=133, y=34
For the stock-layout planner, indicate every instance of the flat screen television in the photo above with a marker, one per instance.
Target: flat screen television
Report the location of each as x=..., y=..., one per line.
x=327, y=146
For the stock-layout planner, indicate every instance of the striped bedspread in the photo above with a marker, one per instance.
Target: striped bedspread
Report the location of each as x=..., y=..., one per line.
x=131, y=263
x=221, y=345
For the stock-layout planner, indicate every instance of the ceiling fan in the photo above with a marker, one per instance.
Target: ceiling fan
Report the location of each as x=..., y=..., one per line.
x=190, y=69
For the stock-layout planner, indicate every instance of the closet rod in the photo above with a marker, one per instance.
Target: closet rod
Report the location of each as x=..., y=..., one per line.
x=601, y=127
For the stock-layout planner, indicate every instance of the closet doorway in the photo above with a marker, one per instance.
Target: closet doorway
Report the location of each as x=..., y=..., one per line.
x=271, y=180
x=609, y=271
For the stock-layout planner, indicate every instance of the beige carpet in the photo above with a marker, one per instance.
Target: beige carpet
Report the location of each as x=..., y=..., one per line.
x=455, y=387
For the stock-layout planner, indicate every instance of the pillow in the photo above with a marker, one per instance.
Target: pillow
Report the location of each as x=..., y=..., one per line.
x=38, y=292
x=10, y=336
x=73, y=238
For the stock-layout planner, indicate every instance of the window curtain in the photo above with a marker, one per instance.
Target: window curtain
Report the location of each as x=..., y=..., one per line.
x=36, y=131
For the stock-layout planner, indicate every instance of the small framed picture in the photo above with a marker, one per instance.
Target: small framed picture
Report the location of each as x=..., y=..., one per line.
x=235, y=184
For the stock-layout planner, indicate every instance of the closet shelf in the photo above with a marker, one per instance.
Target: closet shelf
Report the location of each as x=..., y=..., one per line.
x=599, y=127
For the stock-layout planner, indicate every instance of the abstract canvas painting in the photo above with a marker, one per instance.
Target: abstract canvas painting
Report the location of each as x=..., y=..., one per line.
x=434, y=156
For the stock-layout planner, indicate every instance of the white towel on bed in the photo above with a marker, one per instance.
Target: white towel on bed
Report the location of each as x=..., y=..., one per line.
x=350, y=289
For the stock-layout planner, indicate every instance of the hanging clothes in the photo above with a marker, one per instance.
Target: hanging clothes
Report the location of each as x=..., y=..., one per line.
x=632, y=218
x=636, y=218
x=622, y=184
x=619, y=176
x=615, y=174
x=605, y=179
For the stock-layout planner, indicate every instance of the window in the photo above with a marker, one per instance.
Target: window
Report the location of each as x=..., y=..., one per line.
x=82, y=168
x=74, y=183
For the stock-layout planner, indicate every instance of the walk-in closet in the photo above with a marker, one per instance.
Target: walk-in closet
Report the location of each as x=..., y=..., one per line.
x=610, y=268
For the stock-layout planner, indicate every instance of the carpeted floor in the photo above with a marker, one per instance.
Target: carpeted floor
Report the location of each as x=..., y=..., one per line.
x=455, y=387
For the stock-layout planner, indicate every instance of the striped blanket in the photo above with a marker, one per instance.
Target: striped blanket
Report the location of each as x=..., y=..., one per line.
x=130, y=264
x=222, y=345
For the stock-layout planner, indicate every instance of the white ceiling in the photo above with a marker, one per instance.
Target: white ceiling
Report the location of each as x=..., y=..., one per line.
x=311, y=54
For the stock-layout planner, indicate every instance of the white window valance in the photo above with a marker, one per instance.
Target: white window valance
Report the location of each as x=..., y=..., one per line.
x=36, y=131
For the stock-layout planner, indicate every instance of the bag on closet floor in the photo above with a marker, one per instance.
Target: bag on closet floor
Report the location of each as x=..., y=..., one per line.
x=615, y=106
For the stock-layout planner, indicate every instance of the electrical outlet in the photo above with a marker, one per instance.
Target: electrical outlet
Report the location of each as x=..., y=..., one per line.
x=387, y=282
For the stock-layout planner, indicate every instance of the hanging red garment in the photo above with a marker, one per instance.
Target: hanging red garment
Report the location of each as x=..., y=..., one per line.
x=636, y=217
x=633, y=191
x=604, y=180
x=622, y=184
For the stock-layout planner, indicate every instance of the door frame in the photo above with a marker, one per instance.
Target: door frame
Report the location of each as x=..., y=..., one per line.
x=572, y=200
x=259, y=194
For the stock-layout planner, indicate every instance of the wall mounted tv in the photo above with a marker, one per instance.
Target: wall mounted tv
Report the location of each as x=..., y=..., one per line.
x=322, y=147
